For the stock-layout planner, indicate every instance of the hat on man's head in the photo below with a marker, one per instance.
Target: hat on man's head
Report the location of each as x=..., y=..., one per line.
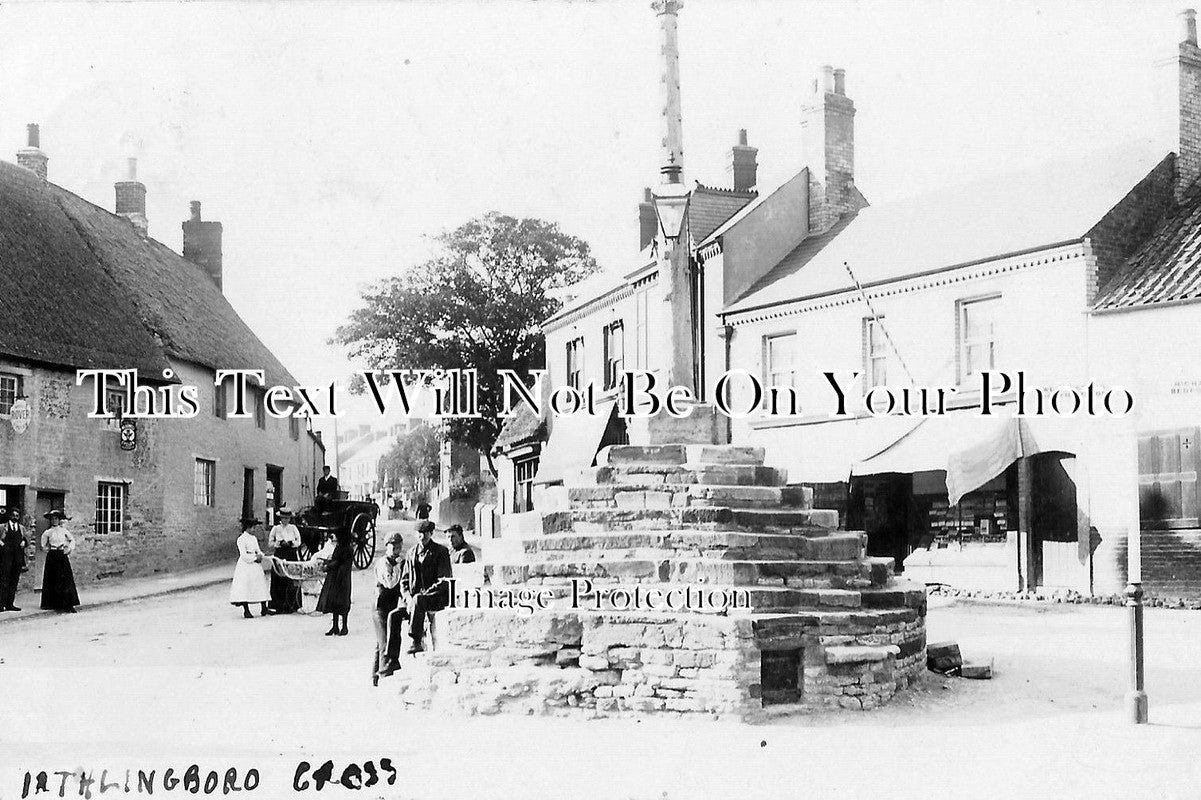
x=394, y=537
x=455, y=528
x=425, y=526
x=56, y=512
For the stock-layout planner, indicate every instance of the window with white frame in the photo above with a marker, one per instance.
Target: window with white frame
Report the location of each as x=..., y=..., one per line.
x=205, y=483
x=641, y=340
x=575, y=363
x=110, y=507
x=523, y=484
x=779, y=360
x=615, y=353
x=115, y=407
x=875, y=352
x=219, y=400
x=978, y=335
x=11, y=388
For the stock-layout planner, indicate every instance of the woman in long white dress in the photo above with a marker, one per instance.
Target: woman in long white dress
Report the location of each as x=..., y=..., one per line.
x=249, y=584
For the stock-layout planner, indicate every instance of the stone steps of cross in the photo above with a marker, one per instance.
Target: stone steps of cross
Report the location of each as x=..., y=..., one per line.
x=687, y=539
x=700, y=455
x=623, y=594
x=677, y=495
x=665, y=566
x=711, y=517
x=648, y=475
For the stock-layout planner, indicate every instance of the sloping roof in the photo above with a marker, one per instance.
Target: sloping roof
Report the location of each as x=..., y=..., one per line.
x=709, y=207
x=524, y=426
x=1166, y=268
x=986, y=219
x=84, y=289
x=597, y=285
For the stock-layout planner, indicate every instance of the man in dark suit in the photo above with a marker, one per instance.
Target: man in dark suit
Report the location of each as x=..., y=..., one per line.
x=427, y=568
x=327, y=489
x=13, y=539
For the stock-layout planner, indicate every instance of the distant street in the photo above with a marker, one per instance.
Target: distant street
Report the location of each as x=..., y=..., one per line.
x=183, y=678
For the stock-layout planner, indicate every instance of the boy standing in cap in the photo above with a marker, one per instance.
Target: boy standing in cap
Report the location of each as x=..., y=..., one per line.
x=387, y=583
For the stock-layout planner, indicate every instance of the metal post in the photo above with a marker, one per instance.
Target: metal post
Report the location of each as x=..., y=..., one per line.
x=1136, y=698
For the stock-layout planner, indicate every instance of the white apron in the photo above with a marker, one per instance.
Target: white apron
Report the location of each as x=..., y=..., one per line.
x=249, y=584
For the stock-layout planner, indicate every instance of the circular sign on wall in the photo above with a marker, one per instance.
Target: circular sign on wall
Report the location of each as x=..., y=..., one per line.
x=129, y=434
x=20, y=415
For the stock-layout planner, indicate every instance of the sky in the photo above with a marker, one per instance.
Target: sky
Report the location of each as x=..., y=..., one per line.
x=332, y=139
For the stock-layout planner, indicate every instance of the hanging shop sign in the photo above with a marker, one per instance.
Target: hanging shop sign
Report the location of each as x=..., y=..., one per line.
x=129, y=434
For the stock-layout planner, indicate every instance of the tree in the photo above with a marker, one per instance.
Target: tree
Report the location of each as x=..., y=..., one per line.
x=412, y=463
x=478, y=303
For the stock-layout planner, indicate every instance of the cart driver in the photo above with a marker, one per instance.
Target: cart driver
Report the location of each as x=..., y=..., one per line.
x=327, y=489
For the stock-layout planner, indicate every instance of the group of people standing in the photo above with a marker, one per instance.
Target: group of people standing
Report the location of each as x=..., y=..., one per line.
x=58, y=581
x=249, y=585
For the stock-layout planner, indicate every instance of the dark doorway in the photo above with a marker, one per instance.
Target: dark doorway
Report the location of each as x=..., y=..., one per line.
x=247, y=492
x=46, y=502
x=780, y=676
x=12, y=496
x=883, y=506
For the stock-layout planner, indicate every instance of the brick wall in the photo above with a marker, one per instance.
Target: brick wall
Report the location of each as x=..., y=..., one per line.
x=1188, y=167
x=1128, y=224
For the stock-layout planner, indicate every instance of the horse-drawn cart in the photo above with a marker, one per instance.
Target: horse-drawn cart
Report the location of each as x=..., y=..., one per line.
x=355, y=516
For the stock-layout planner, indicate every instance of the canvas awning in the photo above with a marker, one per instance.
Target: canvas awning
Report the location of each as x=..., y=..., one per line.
x=573, y=443
x=970, y=448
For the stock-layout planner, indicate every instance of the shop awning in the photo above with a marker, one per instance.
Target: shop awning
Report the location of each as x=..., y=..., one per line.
x=970, y=448
x=573, y=443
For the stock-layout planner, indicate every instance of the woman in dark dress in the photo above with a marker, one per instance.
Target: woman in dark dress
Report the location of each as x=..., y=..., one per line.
x=335, y=593
x=58, y=582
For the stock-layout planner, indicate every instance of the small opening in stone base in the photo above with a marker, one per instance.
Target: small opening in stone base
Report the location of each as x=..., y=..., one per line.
x=780, y=676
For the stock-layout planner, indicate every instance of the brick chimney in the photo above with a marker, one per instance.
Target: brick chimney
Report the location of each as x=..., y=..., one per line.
x=744, y=164
x=1188, y=149
x=31, y=156
x=202, y=244
x=648, y=220
x=131, y=198
x=828, y=143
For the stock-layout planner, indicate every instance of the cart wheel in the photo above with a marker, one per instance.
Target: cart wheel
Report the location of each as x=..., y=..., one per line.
x=362, y=533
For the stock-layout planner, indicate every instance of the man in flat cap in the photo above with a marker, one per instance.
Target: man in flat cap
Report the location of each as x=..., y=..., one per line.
x=427, y=570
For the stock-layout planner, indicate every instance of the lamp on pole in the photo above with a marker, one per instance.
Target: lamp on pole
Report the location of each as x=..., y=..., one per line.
x=1136, y=697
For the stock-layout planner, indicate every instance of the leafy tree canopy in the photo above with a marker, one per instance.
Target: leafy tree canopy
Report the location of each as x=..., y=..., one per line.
x=412, y=463
x=479, y=303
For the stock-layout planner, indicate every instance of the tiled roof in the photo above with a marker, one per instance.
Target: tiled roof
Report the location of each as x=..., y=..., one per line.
x=82, y=288
x=986, y=219
x=1167, y=268
x=524, y=426
x=709, y=207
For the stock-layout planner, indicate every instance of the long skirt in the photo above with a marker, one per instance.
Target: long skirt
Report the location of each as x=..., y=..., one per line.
x=58, y=583
x=335, y=592
x=285, y=593
x=249, y=585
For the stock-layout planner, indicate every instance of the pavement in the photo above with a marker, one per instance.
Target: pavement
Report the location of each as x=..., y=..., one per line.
x=179, y=678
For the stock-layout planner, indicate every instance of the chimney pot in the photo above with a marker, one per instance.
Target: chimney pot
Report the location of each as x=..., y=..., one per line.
x=744, y=166
x=31, y=156
x=1189, y=19
x=131, y=198
x=202, y=243
x=840, y=81
x=827, y=79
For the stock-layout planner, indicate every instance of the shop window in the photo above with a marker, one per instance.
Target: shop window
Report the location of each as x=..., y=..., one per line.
x=1168, y=464
x=615, y=353
x=110, y=507
x=575, y=364
x=523, y=484
x=875, y=353
x=779, y=358
x=977, y=325
x=11, y=388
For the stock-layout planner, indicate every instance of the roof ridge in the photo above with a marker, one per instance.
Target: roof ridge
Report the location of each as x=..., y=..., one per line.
x=722, y=190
